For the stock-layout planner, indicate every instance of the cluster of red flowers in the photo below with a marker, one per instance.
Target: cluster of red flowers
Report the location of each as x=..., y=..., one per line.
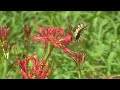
x=38, y=70
x=55, y=36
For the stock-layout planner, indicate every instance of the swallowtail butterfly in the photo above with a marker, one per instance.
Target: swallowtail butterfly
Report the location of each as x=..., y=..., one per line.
x=78, y=31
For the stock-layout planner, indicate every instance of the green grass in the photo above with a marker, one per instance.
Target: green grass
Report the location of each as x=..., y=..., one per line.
x=102, y=47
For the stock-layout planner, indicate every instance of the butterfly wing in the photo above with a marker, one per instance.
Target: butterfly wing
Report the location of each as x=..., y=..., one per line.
x=78, y=31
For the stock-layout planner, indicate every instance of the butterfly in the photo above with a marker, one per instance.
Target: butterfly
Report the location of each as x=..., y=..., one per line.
x=77, y=31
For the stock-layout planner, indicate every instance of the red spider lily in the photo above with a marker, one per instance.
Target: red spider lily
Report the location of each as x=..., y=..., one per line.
x=79, y=57
x=54, y=36
x=39, y=70
x=4, y=33
x=27, y=31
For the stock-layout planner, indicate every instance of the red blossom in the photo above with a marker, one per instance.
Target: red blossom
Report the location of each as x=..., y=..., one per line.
x=4, y=33
x=39, y=70
x=54, y=36
x=23, y=65
x=79, y=57
x=27, y=31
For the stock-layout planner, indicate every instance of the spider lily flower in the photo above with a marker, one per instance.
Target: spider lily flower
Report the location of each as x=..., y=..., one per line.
x=79, y=57
x=53, y=35
x=4, y=33
x=37, y=70
x=27, y=31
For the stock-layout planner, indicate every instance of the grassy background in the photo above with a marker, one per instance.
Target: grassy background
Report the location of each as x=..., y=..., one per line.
x=102, y=46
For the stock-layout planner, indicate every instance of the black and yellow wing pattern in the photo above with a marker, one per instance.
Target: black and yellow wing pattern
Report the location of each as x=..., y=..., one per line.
x=78, y=31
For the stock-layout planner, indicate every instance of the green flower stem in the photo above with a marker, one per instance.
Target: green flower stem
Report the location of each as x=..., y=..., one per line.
x=27, y=45
x=5, y=64
x=5, y=69
x=49, y=51
x=79, y=71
